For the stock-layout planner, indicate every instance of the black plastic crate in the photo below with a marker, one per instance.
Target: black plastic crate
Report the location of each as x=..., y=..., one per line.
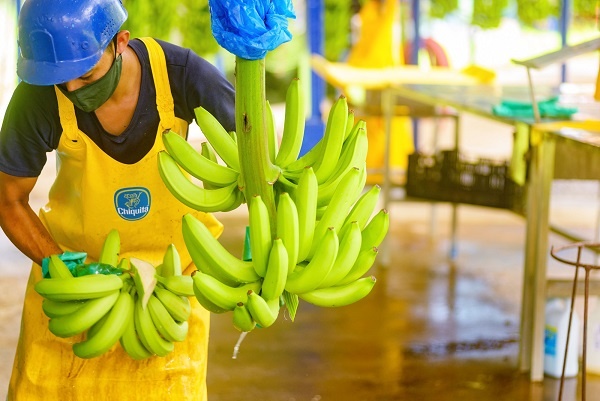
x=450, y=177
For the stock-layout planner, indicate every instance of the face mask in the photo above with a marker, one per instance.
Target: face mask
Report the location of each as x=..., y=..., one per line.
x=90, y=97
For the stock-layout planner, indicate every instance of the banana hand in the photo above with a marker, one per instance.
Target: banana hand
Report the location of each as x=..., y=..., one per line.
x=192, y=195
x=342, y=295
x=207, y=252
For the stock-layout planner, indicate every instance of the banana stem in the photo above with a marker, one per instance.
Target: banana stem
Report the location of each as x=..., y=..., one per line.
x=258, y=172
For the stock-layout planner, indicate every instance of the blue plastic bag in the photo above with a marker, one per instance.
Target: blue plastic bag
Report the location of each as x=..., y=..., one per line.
x=71, y=259
x=251, y=28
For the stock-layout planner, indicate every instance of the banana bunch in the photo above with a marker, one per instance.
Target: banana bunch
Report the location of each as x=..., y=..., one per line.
x=322, y=262
x=182, y=167
x=143, y=311
x=327, y=228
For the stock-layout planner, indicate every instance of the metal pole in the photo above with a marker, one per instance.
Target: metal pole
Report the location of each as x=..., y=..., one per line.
x=416, y=14
x=414, y=56
x=314, y=124
x=564, y=28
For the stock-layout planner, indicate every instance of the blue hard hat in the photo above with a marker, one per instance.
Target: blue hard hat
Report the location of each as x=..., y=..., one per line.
x=60, y=40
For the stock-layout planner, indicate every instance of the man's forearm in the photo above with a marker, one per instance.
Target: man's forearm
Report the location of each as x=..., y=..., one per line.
x=25, y=230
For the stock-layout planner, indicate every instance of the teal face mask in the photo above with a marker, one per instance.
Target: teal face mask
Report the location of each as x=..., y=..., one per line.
x=90, y=97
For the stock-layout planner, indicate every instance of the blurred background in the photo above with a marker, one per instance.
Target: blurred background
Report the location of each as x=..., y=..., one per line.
x=483, y=32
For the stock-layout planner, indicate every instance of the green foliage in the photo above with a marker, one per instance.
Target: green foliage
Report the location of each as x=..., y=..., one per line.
x=441, y=8
x=585, y=8
x=337, y=28
x=185, y=22
x=530, y=12
x=195, y=27
x=487, y=14
x=154, y=18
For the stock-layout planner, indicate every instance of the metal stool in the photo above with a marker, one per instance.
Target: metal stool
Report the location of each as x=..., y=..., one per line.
x=588, y=268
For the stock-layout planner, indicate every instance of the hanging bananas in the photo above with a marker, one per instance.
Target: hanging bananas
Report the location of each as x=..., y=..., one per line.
x=318, y=245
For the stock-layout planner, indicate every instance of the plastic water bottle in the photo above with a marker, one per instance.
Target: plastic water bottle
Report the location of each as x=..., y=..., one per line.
x=593, y=341
x=555, y=339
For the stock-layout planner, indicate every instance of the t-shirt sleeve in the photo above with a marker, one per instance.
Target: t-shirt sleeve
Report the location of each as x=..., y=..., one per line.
x=196, y=82
x=30, y=129
x=209, y=88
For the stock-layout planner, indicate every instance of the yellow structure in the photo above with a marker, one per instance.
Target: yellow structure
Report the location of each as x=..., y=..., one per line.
x=379, y=46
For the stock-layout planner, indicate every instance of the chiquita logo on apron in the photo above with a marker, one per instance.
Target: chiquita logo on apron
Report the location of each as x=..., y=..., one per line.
x=132, y=203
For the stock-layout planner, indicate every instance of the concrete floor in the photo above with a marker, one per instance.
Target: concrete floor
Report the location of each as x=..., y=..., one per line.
x=433, y=329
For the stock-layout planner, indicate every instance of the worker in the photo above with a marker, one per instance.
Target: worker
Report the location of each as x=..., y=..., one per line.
x=101, y=100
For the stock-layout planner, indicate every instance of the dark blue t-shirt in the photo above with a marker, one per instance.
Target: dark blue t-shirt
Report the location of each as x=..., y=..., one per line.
x=31, y=126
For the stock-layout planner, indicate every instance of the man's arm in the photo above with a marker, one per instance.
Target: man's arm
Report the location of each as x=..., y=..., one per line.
x=20, y=223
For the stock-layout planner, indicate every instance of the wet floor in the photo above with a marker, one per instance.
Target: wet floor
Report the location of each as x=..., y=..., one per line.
x=432, y=329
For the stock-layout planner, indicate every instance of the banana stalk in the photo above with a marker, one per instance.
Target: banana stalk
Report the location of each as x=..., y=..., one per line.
x=256, y=167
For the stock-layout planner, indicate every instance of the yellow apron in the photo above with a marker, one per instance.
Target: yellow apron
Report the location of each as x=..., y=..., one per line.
x=93, y=194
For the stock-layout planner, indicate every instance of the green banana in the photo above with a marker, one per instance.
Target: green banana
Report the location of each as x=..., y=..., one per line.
x=306, y=203
x=242, y=320
x=208, y=304
x=124, y=264
x=60, y=308
x=353, y=157
x=84, y=317
x=207, y=252
x=222, y=295
x=111, y=248
x=77, y=288
x=293, y=126
x=147, y=332
x=57, y=268
x=239, y=199
x=338, y=208
x=352, y=131
x=178, y=306
x=294, y=169
x=283, y=184
x=277, y=271
x=273, y=142
x=111, y=330
x=168, y=328
x=264, y=312
x=171, y=265
x=192, y=195
x=332, y=140
x=312, y=275
x=218, y=137
x=288, y=228
x=342, y=295
x=348, y=253
x=179, y=285
x=96, y=326
x=361, y=266
x=130, y=341
x=349, y=123
x=196, y=164
x=362, y=210
x=362, y=181
x=260, y=234
x=233, y=136
x=207, y=151
x=376, y=230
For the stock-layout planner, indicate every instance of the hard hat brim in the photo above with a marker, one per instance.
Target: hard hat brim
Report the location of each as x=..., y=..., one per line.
x=44, y=73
